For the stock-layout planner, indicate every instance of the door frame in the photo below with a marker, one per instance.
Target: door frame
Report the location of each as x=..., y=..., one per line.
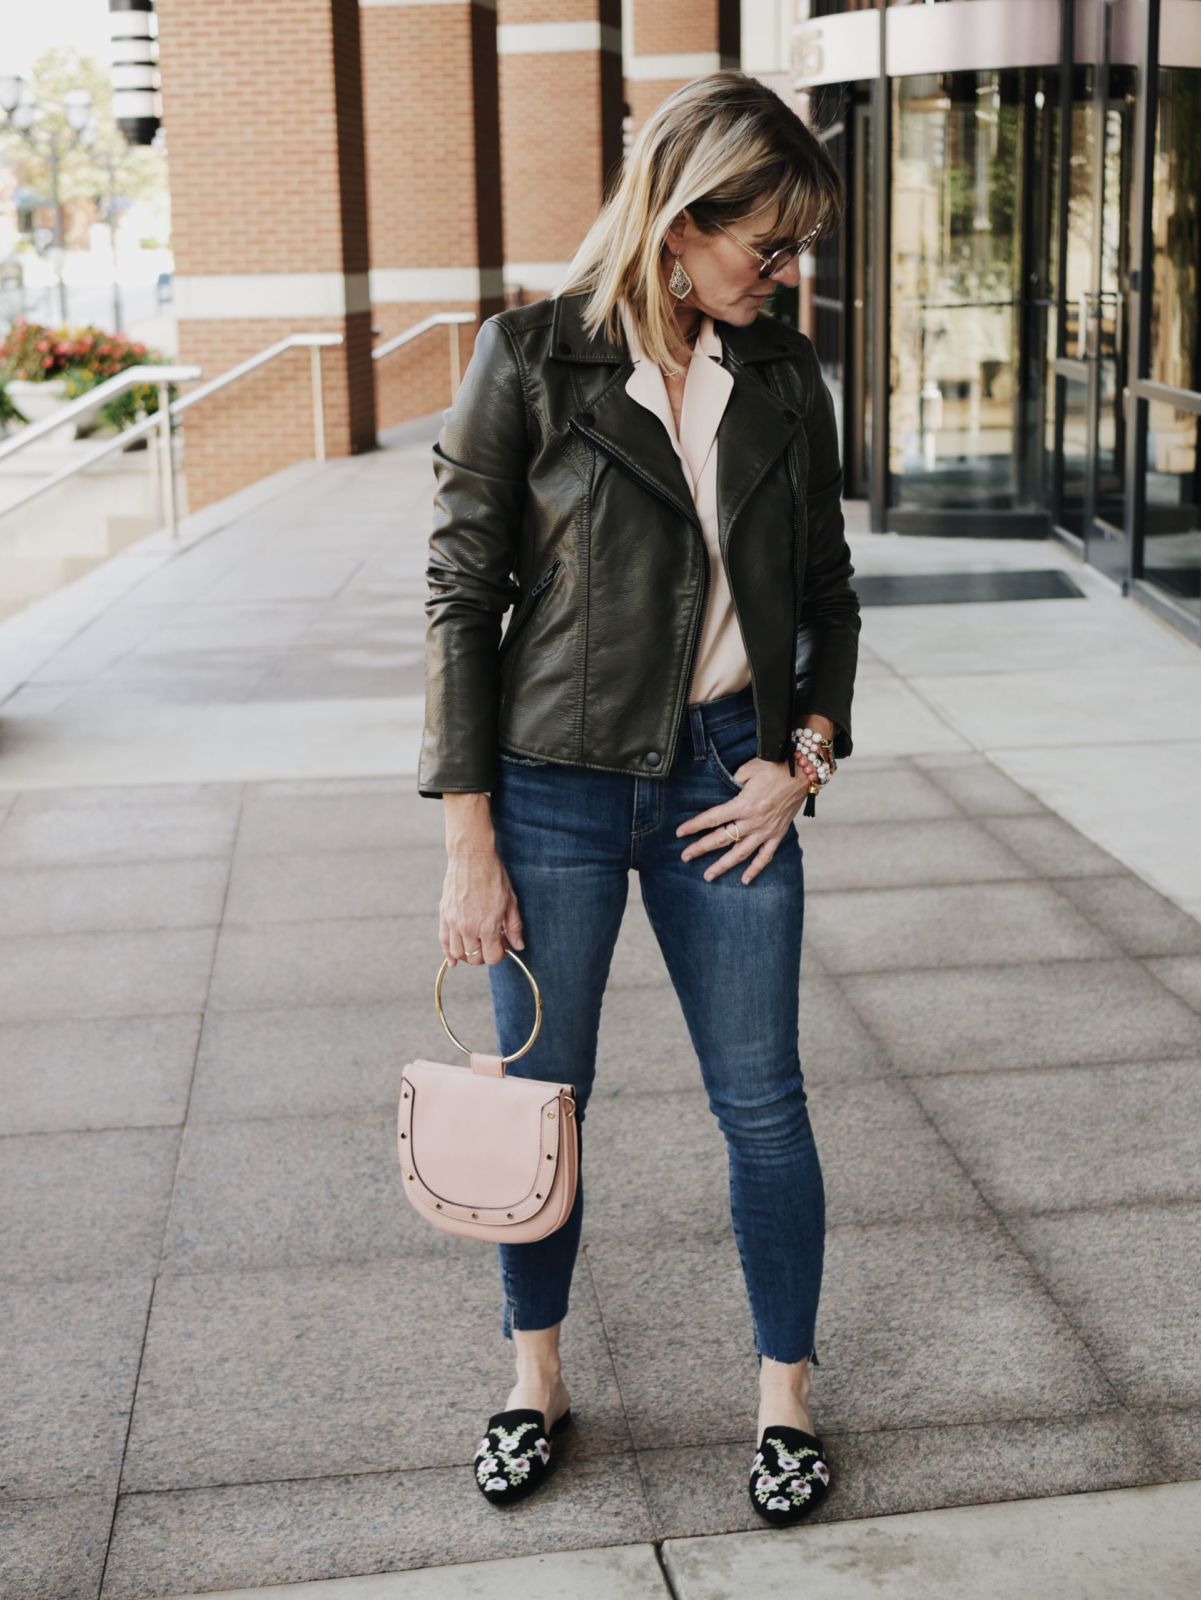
x=1103, y=543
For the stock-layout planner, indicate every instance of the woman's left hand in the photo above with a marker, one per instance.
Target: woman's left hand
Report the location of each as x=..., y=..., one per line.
x=763, y=813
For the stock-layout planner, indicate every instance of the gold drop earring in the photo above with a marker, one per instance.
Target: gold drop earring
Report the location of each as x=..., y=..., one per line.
x=679, y=283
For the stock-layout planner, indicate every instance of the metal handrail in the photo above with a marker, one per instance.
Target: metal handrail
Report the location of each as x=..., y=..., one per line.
x=314, y=342
x=168, y=409
x=130, y=378
x=452, y=319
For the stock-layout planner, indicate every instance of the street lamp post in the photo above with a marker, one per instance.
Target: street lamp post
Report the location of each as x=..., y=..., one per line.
x=23, y=115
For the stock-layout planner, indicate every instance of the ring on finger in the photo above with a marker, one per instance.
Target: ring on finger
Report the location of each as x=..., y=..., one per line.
x=733, y=830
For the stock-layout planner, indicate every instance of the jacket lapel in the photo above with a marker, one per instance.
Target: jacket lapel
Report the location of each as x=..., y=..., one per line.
x=753, y=434
x=756, y=427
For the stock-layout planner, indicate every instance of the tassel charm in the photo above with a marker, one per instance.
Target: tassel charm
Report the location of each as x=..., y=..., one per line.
x=810, y=807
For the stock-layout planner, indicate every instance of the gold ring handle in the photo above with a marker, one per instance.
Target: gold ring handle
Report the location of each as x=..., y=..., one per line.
x=529, y=1044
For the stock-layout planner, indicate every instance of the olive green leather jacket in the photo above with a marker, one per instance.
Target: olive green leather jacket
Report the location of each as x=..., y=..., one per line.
x=559, y=495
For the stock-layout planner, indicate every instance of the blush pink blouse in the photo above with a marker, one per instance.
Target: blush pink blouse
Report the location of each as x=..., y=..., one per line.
x=721, y=665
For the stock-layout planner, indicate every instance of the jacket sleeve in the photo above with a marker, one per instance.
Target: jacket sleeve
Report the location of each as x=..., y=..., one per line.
x=480, y=460
x=828, y=631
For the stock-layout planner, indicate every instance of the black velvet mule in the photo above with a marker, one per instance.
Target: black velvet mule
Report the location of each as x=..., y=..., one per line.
x=514, y=1456
x=789, y=1476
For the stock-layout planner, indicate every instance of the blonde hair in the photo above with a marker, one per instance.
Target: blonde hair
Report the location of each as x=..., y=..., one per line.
x=717, y=146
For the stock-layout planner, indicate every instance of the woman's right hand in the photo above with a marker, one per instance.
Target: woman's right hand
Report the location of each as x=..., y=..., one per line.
x=479, y=909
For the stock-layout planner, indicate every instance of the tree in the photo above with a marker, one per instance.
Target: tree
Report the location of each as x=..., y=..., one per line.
x=138, y=171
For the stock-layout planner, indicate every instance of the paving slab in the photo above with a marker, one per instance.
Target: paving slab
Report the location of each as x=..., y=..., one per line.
x=225, y=798
x=94, y=834
x=858, y=1127
x=283, y=1532
x=631, y=1572
x=1180, y=974
x=282, y=820
x=148, y=973
x=333, y=1369
x=977, y=787
x=886, y=855
x=292, y=1190
x=1141, y=1337
x=890, y=1471
x=961, y=1330
x=1176, y=1431
x=1148, y=826
x=328, y=962
x=98, y=1072
x=1137, y=917
x=1051, y=847
x=85, y=1204
x=1134, y=1541
x=1074, y=1136
x=54, y=1547
x=1030, y=1014
x=77, y=899
x=308, y=886
x=1031, y=707
x=978, y=924
x=68, y=1366
x=883, y=1160
x=889, y=791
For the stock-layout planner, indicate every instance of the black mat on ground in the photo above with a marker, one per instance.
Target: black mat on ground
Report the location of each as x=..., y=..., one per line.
x=956, y=588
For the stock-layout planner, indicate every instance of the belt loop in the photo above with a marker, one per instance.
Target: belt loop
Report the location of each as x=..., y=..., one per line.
x=697, y=719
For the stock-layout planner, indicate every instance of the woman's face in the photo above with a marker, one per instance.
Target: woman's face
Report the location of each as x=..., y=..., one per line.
x=725, y=276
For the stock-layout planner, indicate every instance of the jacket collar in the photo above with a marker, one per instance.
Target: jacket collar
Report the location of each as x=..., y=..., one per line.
x=756, y=425
x=570, y=340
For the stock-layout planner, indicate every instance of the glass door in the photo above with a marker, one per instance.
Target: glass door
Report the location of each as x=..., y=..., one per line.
x=842, y=274
x=1170, y=398
x=1092, y=329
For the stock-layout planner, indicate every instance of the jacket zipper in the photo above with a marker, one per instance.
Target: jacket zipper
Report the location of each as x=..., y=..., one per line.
x=531, y=600
x=698, y=605
x=796, y=493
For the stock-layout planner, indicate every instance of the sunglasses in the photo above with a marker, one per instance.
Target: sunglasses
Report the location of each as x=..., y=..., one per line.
x=778, y=258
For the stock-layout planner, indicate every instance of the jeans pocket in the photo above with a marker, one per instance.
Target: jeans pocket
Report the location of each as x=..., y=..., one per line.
x=730, y=747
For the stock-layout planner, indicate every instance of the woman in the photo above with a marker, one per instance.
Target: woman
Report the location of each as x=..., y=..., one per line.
x=645, y=466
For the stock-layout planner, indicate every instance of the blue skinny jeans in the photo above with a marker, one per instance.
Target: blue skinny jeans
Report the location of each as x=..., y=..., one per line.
x=568, y=837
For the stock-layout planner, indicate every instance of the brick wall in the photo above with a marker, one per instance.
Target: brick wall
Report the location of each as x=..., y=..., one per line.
x=263, y=113
x=434, y=184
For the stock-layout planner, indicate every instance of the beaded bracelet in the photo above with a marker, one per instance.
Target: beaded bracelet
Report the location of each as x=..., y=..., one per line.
x=815, y=748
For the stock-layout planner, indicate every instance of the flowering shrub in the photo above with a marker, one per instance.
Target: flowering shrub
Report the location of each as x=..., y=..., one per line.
x=83, y=357
x=9, y=411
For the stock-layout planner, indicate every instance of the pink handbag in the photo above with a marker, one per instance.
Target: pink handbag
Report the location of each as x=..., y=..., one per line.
x=482, y=1154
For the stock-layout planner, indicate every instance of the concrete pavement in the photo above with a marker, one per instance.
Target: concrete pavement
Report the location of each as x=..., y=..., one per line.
x=218, y=896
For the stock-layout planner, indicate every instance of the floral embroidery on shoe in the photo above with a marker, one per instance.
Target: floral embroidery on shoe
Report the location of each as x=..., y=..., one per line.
x=791, y=1485
x=503, y=1460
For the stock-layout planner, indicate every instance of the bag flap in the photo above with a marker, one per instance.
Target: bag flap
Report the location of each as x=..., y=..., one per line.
x=489, y=1144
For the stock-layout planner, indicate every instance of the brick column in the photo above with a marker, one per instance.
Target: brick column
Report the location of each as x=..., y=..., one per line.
x=262, y=107
x=433, y=135
x=560, y=117
x=670, y=41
